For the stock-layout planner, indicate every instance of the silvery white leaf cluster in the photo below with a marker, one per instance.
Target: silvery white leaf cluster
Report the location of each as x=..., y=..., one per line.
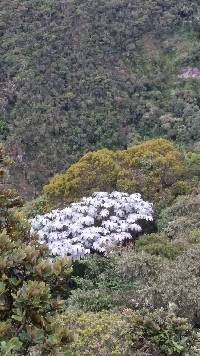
x=93, y=224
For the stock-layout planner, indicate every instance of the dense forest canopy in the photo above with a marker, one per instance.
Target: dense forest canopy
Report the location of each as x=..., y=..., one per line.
x=83, y=75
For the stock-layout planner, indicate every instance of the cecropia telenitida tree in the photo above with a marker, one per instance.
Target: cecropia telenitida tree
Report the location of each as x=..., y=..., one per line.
x=93, y=224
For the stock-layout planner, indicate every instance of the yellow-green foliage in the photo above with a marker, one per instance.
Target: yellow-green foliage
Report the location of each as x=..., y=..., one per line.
x=155, y=165
x=94, y=171
x=149, y=168
x=126, y=333
x=101, y=333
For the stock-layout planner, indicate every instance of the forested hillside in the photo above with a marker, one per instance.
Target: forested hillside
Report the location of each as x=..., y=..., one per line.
x=83, y=75
x=100, y=133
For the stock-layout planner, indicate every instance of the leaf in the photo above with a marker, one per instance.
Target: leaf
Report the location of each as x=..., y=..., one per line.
x=177, y=346
x=13, y=344
x=53, y=340
x=14, y=281
x=17, y=317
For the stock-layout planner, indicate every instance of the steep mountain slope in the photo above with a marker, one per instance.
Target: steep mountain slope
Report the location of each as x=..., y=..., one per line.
x=82, y=75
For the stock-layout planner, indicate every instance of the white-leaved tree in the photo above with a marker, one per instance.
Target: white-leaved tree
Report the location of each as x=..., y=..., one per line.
x=93, y=224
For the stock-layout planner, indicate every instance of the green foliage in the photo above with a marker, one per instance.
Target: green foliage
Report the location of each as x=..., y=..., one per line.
x=94, y=300
x=31, y=286
x=159, y=245
x=194, y=236
x=181, y=215
x=134, y=300
x=8, y=347
x=34, y=207
x=106, y=86
x=127, y=333
x=177, y=284
x=94, y=333
x=33, y=297
x=99, y=284
x=193, y=162
x=149, y=168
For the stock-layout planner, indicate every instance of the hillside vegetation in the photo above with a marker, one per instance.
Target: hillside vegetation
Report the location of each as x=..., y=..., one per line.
x=100, y=131
x=141, y=298
x=154, y=168
x=83, y=75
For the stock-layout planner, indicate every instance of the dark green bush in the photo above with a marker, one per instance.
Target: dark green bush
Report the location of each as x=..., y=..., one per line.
x=159, y=245
x=99, y=284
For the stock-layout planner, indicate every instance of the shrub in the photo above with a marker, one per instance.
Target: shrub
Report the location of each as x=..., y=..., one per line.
x=176, y=283
x=31, y=286
x=194, y=236
x=148, y=168
x=94, y=224
x=95, y=300
x=34, y=207
x=180, y=222
x=181, y=228
x=99, y=284
x=184, y=207
x=159, y=245
x=126, y=333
